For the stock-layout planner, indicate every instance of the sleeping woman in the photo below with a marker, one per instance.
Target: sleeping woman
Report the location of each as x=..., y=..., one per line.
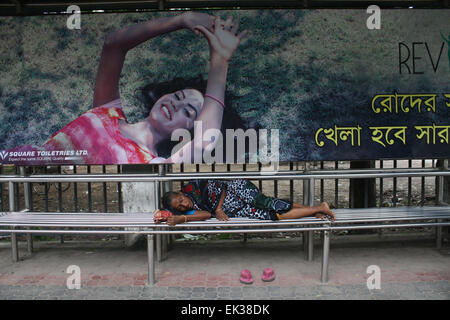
x=202, y=199
x=104, y=132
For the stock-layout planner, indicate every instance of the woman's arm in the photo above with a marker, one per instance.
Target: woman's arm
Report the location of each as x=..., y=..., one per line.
x=198, y=215
x=220, y=214
x=118, y=43
x=223, y=42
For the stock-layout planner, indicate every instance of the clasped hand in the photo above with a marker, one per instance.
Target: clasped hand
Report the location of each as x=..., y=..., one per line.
x=223, y=37
x=221, y=215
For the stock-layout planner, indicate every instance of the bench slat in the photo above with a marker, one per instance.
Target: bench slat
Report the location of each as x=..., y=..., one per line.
x=132, y=220
x=387, y=211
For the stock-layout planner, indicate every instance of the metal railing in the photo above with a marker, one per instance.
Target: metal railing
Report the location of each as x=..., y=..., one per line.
x=98, y=188
x=312, y=176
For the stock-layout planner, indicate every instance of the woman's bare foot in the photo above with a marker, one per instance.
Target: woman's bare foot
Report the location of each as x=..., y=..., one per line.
x=325, y=208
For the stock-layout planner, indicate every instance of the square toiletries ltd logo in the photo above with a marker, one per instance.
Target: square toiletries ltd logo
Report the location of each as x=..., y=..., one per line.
x=3, y=154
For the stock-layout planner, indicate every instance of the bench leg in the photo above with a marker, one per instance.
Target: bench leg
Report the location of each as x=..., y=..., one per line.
x=159, y=247
x=439, y=236
x=14, y=247
x=305, y=243
x=151, y=259
x=325, y=256
x=14, y=244
x=310, y=245
x=30, y=243
x=166, y=245
x=171, y=241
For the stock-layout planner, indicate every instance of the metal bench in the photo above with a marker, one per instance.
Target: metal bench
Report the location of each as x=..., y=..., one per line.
x=140, y=223
x=378, y=218
x=118, y=223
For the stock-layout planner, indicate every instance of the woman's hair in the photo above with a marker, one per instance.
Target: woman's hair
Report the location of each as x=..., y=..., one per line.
x=167, y=200
x=153, y=91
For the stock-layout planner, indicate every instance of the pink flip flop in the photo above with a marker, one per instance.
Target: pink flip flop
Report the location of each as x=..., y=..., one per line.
x=246, y=277
x=268, y=275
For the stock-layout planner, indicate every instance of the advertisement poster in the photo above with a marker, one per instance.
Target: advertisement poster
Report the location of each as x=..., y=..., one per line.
x=224, y=86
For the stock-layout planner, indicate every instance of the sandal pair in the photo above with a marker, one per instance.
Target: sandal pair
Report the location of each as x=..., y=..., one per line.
x=246, y=276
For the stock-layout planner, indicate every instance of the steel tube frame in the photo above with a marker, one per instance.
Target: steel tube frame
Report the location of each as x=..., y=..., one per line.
x=157, y=232
x=63, y=223
x=157, y=178
x=440, y=199
x=385, y=226
x=28, y=204
x=158, y=247
x=148, y=225
x=160, y=239
x=439, y=235
x=14, y=243
x=325, y=257
x=338, y=174
x=151, y=259
x=311, y=189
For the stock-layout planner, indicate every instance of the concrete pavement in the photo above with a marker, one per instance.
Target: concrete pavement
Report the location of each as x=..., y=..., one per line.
x=410, y=269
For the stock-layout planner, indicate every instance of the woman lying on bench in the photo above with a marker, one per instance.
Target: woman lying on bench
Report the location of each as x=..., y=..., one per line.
x=202, y=199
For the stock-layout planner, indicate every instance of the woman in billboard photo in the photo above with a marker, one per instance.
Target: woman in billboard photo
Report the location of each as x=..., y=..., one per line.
x=104, y=134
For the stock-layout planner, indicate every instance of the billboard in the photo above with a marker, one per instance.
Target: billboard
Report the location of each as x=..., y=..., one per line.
x=224, y=86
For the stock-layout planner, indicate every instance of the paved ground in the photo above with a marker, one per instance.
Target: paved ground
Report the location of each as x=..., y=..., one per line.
x=410, y=269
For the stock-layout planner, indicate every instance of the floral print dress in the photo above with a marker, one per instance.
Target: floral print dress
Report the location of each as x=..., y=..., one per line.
x=242, y=199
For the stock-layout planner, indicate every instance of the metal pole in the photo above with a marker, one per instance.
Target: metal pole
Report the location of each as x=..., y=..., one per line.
x=322, y=186
x=440, y=183
x=305, y=243
x=46, y=187
x=439, y=235
x=60, y=209
x=306, y=190
x=89, y=191
x=28, y=203
x=164, y=187
x=2, y=203
x=336, y=186
x=311, y=192
x=380, y=231
x=151, y=259
x=440, y=199
x=291, y=183
x=381, y=186
x=168, y=186
x=158, y=248
x=422, y=191
x=16, y=192
x=394, y=191
x=105, y=192
x=409, y=184
x=29, y=243
x=325, y=256
x=159, y=238
x=14, y=243
x=311, y=185
x=26, y=190
x=75, y=191
x=355, y=174
x=310, y=245
x=161, y=5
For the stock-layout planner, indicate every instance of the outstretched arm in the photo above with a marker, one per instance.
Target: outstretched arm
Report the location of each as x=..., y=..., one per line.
x=197, y=216
x=223, y=42
x=118, y=43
